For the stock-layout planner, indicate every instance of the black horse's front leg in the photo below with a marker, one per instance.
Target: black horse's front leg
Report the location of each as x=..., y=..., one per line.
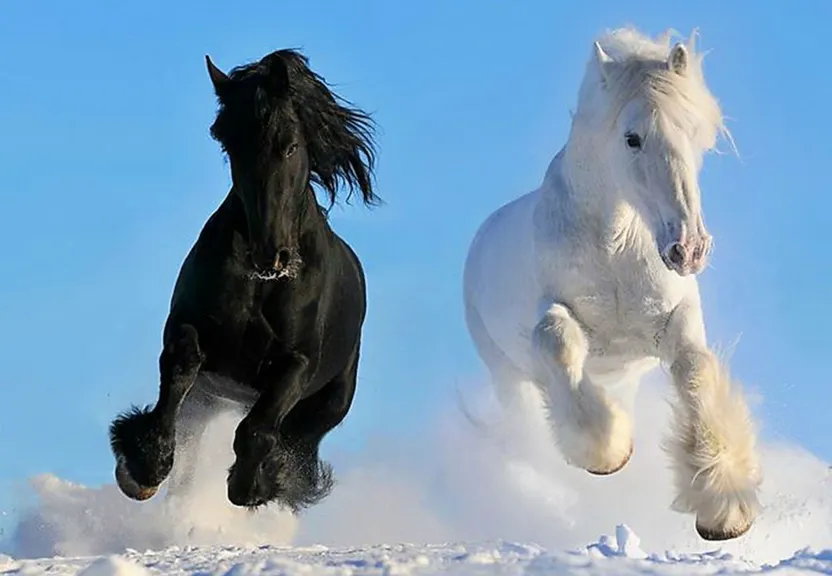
x=255, y=477
x=307, y=479
x=142, y=440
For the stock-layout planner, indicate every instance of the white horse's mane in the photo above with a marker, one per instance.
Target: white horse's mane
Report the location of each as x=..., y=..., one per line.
x=639, y=69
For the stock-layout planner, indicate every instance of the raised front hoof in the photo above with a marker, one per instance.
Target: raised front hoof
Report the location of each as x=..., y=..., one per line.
x=130, y=487
x=722, y=533
x=613, y=469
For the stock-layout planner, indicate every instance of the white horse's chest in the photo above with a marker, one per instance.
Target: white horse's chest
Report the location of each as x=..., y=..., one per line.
x=622, y=298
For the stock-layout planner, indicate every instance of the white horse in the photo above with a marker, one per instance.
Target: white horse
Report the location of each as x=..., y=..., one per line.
x=590, y=280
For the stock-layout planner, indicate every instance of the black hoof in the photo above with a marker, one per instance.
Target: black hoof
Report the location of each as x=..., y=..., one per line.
x=616, y=469
x=138, y=439
x=245, y=493
x=242, y=500
x=130, y=487
x=721, y=535
x=292, y=477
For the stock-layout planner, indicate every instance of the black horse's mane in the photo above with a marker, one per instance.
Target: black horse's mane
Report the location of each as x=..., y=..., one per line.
x=339, y=136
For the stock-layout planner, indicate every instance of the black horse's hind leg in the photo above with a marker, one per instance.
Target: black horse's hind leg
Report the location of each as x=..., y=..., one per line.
x=142, y=440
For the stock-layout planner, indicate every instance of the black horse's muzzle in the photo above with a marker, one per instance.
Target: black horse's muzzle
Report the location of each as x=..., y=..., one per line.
x=270, y=260
x=271, y=264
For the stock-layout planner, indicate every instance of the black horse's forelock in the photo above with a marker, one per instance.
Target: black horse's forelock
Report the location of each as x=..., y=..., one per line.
x=339, y=137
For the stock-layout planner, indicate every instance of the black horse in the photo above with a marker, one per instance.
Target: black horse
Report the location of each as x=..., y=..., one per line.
x=269, y=305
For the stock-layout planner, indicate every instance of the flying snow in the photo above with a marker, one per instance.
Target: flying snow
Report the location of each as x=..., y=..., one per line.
x=456, y=497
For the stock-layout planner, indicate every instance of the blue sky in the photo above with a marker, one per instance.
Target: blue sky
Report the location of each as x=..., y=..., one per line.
x=108, y=173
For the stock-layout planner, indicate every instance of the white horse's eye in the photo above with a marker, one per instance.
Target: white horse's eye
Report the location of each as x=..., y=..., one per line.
x=633, y=140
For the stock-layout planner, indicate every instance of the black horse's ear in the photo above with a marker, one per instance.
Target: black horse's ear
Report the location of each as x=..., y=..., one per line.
x=278, y=74
x=218, y=78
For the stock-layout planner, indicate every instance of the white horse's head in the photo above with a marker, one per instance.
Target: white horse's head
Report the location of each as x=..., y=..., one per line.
x=653, y=118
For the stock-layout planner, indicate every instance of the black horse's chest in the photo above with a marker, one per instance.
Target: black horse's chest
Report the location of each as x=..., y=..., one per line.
x=251, y=326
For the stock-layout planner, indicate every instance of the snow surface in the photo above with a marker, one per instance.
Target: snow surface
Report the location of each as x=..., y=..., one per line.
x=453, y=500
x=618, y=555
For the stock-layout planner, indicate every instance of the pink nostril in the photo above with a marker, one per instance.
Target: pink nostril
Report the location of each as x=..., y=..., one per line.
x=676, y=254
x=284, y=255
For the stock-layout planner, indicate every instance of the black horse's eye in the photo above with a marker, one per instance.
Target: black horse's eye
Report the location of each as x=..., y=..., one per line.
x=633, y=140
x=293, y=147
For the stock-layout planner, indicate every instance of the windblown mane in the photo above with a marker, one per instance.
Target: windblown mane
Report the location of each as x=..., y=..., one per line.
x=339, y=137
x=641, y=70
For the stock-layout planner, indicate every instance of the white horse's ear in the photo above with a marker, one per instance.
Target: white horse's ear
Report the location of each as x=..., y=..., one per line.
x=678, y=59
x=602, y=60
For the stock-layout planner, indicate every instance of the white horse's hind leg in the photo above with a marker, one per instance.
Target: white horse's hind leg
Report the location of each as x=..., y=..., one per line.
x=592, y=430
x=505, y=376
x=713, y=441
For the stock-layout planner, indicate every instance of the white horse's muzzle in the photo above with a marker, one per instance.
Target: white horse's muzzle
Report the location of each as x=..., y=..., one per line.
x=689, y=255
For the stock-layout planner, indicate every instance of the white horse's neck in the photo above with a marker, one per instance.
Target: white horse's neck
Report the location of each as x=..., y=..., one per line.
x=587, y=184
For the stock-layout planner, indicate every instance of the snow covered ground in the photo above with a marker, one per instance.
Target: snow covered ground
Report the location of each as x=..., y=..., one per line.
x=619, y=555
x=453, y=500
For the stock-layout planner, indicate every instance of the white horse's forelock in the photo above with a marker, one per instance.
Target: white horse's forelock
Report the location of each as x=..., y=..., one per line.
x=640, y=70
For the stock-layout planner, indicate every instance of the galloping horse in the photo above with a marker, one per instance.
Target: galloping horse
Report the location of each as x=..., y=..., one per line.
x=591, y=279
x=269, y=305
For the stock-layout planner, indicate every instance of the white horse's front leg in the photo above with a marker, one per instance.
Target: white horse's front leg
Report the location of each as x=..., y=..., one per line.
x=713, y=442
x=593, y=432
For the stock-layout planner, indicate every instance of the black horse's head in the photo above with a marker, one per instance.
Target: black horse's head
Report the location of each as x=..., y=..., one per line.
x=283, y=129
